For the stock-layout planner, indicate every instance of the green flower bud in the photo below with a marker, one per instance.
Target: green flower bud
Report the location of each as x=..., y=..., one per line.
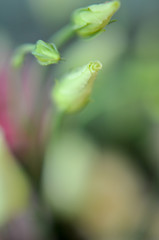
x=46, y=53
x=91, y=20
x=73, y=92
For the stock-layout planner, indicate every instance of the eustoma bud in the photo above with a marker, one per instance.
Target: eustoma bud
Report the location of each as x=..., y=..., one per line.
x=46, y=53
x=73, y=92
x=92, y=19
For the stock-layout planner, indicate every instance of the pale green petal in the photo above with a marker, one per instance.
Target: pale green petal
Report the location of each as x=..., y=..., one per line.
x=73, y=92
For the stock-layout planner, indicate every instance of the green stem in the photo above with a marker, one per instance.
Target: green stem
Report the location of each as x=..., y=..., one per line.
x=58, y=124
x=19, y=55
x=63, y=36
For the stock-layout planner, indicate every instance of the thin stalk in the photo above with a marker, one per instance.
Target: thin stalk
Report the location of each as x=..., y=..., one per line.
x=58, y=125
x=63, y=36
x=19, y=55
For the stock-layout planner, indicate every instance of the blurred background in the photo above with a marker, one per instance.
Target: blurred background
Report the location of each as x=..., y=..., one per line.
x=101, y=179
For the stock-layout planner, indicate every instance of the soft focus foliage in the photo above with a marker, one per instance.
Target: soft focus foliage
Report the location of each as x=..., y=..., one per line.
x=114, y=186
x=93, y=175
x=14, y=186
x=67, y=168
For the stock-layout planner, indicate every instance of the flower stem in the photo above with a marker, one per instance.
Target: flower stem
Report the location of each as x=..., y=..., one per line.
x=58, y=124
x=63, y=36
x=19, y=55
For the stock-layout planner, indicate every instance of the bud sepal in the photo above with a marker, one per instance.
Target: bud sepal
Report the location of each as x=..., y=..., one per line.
x=46, y=53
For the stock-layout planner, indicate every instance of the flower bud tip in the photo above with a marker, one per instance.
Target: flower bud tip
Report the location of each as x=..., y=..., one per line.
x=92, y=19
x=73, y=92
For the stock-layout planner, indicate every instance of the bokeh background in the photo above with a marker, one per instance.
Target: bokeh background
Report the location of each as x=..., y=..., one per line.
x=101, y=179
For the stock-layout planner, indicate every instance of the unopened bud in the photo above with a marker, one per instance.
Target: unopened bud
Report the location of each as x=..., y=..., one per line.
x=46, y=53
x=73, y=92
x=92, y=20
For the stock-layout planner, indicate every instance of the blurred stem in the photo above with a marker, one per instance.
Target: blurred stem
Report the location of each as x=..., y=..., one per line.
x=58, y=124
x=63, y=36
x=19, y=55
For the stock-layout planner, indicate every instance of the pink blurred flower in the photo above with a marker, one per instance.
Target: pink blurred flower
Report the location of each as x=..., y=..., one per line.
x=24, y=109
